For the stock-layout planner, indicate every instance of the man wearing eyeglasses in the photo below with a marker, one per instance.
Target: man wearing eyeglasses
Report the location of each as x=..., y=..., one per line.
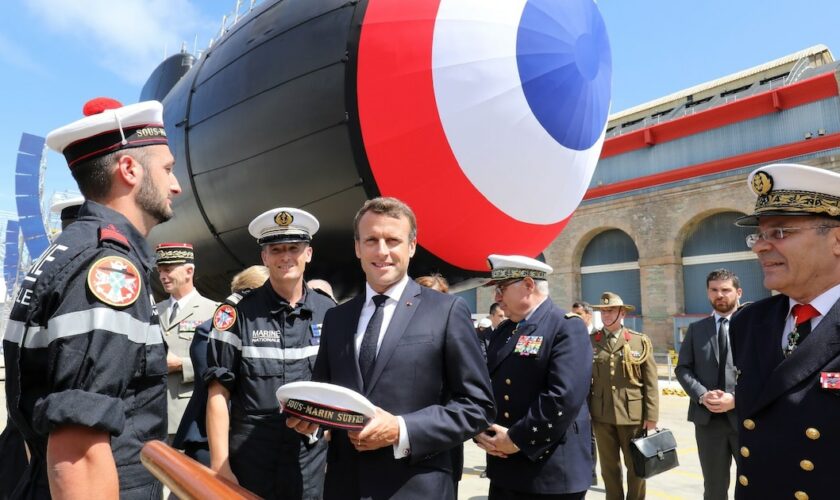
x=541, y=369
x=787, y=347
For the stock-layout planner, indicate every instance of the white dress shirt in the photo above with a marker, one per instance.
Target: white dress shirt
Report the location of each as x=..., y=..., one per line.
x=183, y=301
x=822, y=304
x=401, y=448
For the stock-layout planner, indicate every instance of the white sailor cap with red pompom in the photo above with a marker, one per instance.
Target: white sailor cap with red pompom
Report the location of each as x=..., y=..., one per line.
x=109, y=126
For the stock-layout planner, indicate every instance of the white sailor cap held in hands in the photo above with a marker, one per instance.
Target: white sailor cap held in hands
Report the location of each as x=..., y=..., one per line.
x=283, y=225
x=108, y=126
x=506, y=267
x=791, y=189
x=327, y=405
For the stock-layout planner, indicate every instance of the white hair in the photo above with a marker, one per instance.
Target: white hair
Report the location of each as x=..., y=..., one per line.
x=542, y=287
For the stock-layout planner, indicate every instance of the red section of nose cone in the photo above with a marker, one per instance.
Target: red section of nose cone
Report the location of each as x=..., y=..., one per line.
x=100, y=104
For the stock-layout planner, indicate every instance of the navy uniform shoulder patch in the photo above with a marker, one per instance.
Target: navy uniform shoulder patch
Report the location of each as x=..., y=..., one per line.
x=569, y=315
x=111, y=233
x=224, y=317
x=114, y=280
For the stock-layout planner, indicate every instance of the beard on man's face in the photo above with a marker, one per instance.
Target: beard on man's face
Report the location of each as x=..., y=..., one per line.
x=724, y=305
x=151, y=201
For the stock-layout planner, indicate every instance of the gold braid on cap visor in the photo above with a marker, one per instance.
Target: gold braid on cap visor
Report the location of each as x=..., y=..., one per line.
x=798, y=201
x=507, y=273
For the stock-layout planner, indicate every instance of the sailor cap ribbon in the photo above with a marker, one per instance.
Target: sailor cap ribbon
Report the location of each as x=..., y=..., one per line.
x=327, y=405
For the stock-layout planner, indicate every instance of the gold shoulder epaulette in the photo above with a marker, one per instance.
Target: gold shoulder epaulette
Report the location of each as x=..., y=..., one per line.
x=572, y=315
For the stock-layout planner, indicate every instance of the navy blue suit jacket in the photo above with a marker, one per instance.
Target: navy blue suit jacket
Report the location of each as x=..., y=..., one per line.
x=192, y=426
x=542, y=401
x=786, y=421
x=430, y=371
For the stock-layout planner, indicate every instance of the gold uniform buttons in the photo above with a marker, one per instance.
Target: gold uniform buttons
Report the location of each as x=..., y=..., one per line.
x=613, y=387
x=812, y=433
x=745, y=452
x=507, y=398
x=801, y=495
x=806, y=465
x=743, y=480
x=749, y=424
x=507, y=381
x=507, y=415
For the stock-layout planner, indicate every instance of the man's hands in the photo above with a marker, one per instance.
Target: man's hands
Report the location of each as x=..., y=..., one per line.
x=718, y=401
x=495, y=441
x=381, y=431
x=173, y=362
x=301, y=426
x=649, y=425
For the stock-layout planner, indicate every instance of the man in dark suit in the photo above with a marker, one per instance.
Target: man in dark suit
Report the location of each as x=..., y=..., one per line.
x=787, y=347
x=412, y=352
x=541, y=368
x=706, y=374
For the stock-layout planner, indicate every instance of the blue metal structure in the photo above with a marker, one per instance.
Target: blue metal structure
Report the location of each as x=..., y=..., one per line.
x=12, y=257
x=28, y=194
x=723, y=142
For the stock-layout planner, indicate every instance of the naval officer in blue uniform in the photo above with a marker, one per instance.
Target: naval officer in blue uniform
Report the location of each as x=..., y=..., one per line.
x=85, y=359
x=540, y=363
x=266, y=339
x=787, y=347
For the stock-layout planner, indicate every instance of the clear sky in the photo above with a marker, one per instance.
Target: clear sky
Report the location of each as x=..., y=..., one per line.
x=56, y=54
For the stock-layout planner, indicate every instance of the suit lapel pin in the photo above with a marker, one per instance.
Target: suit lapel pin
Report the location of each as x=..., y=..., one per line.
x=408, y=304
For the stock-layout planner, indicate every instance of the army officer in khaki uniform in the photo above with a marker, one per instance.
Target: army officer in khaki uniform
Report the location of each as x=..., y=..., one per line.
x=624, y=396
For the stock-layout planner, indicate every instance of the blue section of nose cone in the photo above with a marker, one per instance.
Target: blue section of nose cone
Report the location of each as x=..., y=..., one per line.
x=565, y=66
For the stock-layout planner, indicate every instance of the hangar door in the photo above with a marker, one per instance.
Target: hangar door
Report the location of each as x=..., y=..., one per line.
x=610, y=262
x=719, y=243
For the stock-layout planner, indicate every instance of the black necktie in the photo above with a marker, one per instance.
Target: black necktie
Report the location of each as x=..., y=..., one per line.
x=367, y=351
x=723, y=350
x=173, y=313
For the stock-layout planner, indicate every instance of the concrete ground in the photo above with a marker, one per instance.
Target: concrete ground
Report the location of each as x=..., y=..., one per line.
x=683, y=483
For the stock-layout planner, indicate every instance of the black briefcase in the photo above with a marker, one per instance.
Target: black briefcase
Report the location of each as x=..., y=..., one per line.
x=654, y=454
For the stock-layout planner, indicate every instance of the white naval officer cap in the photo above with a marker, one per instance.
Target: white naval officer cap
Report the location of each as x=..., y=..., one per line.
x=791, y=189
x=505, y=267
x=327, y=405
x=68, y=207
x=283, y=225
x=109, y=126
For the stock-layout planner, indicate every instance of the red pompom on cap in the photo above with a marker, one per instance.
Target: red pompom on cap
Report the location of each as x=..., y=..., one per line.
x=100, y=104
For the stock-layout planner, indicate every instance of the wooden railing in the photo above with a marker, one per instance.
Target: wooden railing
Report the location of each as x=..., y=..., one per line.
x=187, y=478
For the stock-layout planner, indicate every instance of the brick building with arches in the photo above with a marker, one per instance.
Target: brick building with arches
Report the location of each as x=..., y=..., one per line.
x=659, y=213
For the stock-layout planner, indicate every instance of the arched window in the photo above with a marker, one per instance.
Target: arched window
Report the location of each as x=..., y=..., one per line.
x=610, y=262
x=718, y=242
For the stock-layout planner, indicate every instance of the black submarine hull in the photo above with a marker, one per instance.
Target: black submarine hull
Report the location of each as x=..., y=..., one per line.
x=268, y=117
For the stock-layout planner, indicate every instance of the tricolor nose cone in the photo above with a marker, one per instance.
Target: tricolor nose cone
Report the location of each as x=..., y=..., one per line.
x=564, y=64
x=498, y=107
